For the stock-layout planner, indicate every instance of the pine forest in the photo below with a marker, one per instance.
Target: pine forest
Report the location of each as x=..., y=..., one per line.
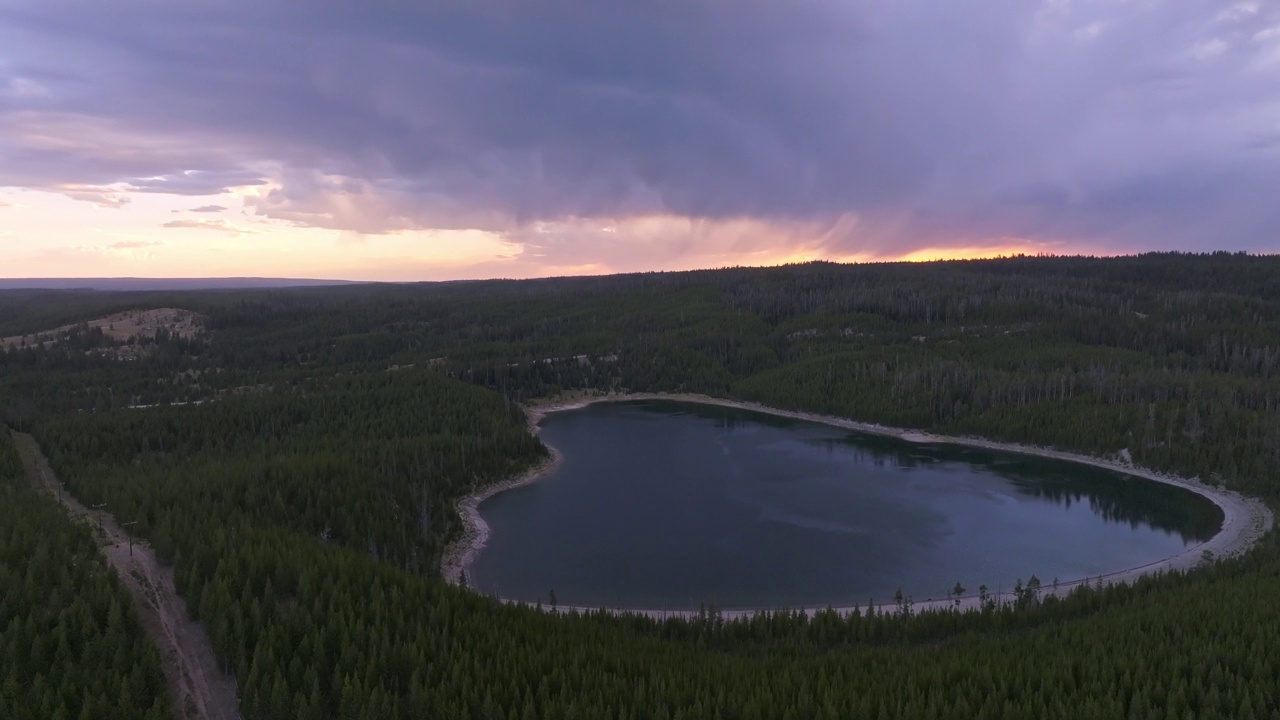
x=296, y=462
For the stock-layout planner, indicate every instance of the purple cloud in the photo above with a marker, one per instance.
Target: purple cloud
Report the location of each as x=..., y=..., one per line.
x=877, y=127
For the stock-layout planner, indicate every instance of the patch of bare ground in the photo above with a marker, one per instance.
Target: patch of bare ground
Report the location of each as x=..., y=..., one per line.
x=197, y=686
x=121, y=327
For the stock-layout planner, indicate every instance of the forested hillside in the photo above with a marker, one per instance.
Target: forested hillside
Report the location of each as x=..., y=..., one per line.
x=70, y=643
x=299, y=464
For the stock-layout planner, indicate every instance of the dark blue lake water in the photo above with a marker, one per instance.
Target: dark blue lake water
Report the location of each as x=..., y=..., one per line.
x=670, y=505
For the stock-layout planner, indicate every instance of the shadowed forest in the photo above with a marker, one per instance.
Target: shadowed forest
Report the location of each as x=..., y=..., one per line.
x=298, y=459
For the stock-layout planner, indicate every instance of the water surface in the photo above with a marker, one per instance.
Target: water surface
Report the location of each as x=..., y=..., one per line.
x=662, y=504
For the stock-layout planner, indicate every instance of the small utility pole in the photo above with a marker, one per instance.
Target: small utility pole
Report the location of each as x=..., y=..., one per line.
x=129, y=535
x=97, y=517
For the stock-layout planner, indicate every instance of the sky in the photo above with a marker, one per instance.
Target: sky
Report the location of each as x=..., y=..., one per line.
x=442, y=139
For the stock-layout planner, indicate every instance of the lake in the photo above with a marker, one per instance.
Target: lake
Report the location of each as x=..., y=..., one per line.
x=669, y=505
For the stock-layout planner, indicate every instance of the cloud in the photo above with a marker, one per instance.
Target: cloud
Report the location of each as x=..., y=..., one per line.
x=316, y=199
x=218, y=225
x=135, y=244
x=101, y=195
x=838, y=127
x=21, y=88
x=102, y=160
x=207, y=209
x=196, y=182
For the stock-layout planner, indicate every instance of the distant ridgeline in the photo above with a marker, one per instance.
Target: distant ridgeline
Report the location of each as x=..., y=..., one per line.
x=302, y=469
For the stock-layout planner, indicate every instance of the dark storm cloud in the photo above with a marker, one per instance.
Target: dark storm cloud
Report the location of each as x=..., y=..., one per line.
x=1141, y=124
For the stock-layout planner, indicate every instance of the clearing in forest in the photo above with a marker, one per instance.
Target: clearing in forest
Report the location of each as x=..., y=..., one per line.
x=198, y=687
x=121, y=327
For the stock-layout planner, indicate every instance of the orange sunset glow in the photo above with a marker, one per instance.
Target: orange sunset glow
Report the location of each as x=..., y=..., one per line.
x=139, y=141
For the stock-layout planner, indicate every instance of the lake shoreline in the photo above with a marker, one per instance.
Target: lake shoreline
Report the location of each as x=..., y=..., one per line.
x=1245, y=519
x=461, y=553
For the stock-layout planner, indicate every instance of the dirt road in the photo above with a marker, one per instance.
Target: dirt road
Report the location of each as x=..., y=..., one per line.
x=198, y=687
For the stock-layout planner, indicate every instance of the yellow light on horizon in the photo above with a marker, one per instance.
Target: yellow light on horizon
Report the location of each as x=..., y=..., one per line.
x=48, y=234
x=936, y=254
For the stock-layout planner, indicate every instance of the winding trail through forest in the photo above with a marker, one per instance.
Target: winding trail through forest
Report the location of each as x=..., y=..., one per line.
x=1245, y=519
x=197, y=686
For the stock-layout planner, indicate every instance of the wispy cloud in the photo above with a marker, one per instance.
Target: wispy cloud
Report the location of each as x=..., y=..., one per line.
x=207, y=209
x=218, y=225
x=101, y=195
x=135, y=244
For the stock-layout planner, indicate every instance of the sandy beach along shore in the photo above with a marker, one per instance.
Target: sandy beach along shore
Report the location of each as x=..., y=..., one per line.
x=461, y=553
x=1245, y=519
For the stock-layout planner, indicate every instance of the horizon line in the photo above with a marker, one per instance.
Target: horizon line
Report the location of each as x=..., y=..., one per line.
x=7, y=283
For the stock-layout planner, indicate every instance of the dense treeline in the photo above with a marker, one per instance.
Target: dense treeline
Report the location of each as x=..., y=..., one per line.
x=304, y=492
x=1157, y=354
x=315, y=627
x=1058, y=393
x=315, y=622
x=371, y=461
x=70, y=643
